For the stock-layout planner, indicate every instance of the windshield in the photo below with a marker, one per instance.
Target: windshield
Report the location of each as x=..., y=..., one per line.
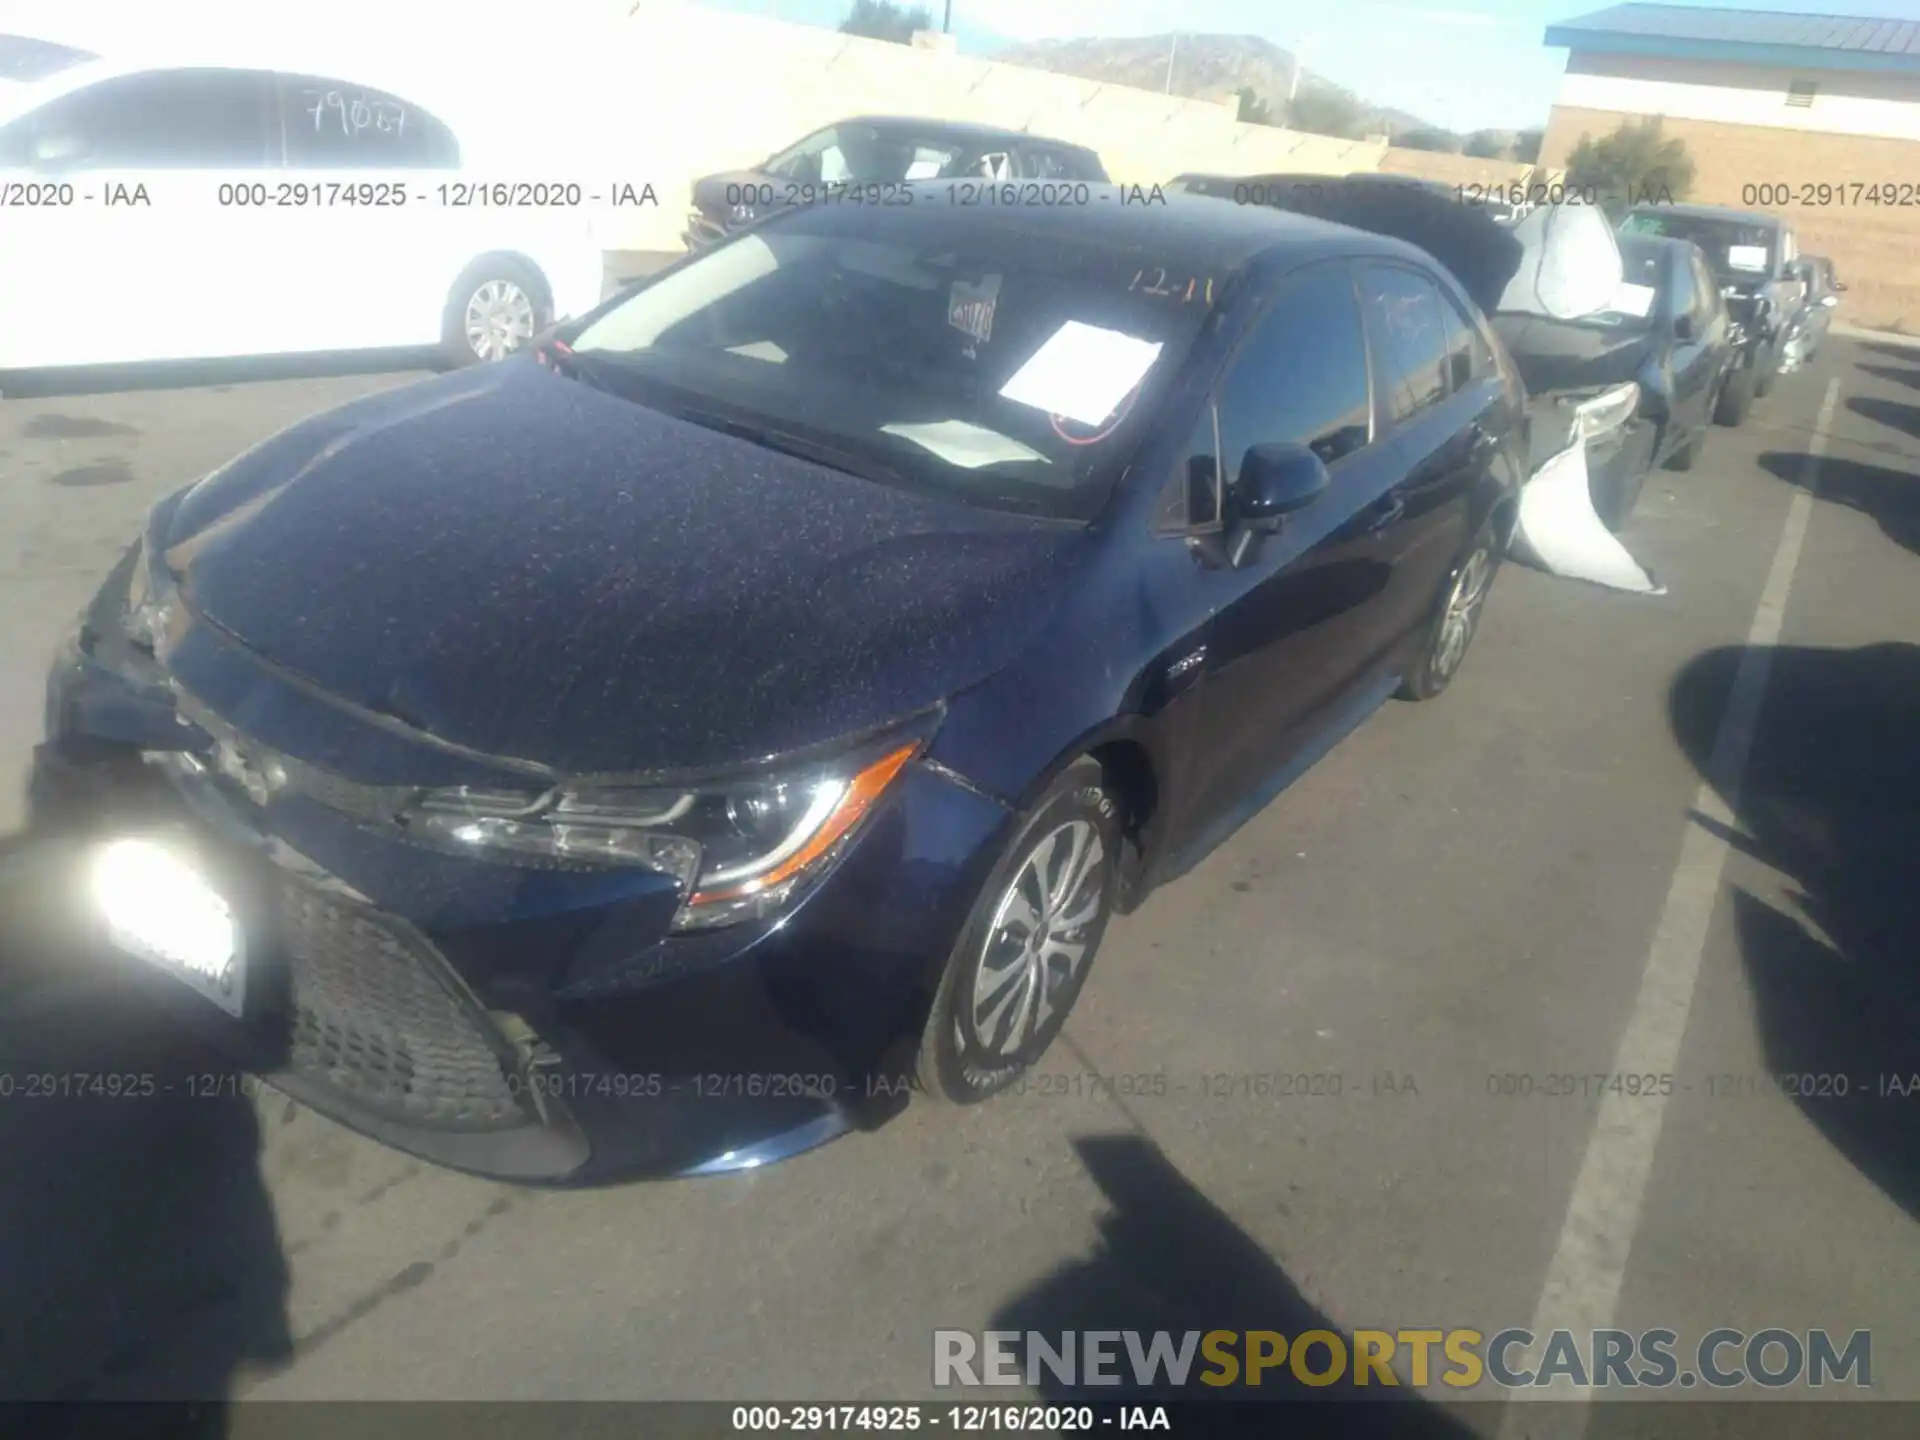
x=853, y=153
x=1734, y=251
x=1002, y=366
x=1634, y=304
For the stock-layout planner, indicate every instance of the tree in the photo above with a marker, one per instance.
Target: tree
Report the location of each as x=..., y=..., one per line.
x=1428, y=137
x=1526, y=146
x=1485, y=145
x=886, y=20
x=1331, y=111
x=1635, y=164
x=1253, y=110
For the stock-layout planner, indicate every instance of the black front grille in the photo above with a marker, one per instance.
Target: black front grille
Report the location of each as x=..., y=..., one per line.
x=371, y=1018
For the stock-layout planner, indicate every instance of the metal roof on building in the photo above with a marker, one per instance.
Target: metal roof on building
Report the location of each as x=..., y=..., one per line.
x=1848, y=42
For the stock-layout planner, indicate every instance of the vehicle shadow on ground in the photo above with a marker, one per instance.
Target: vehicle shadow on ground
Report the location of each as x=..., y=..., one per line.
x=1831, y=800
x=198, y=374
x=1909, y=378
x=1898, y=352
x=1891, y=497
x=1168, y=1259
x=139, y=1255
x=1894, y=414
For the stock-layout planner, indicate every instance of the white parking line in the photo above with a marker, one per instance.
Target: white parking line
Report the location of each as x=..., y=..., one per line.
x=1583, y=1281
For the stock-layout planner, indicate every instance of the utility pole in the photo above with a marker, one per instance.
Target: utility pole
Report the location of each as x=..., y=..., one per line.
x=1173, y=46
x=946, y=25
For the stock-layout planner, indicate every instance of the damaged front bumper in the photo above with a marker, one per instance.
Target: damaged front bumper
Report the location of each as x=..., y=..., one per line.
x=528, y=1024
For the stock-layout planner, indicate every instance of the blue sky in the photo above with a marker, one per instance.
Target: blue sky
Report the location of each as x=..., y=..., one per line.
x=1465, y=64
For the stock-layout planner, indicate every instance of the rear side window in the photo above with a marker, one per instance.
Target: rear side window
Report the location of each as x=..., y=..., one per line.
x=162, y=119
x=1469, y=356
x=1301, y=376
x=1405, y=320
x=335, y=125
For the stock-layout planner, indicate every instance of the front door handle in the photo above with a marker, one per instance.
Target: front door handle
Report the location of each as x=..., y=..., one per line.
x=1384, y=513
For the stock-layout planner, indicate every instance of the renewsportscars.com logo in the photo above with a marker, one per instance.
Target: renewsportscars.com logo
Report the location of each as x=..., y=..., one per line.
x=1417, y=1359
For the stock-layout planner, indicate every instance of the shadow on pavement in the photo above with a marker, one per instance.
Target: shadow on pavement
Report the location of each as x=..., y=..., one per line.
x=139, y=1257
x=1888, y=372
x=1831, y=799
x=1894, y=414
x=1890, y=496
x=193, y=374
x=1910, y=352
x=1169, y=1260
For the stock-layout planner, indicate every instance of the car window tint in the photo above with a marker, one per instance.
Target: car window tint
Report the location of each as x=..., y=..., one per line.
x=1301, y=376
x=1192, y=499
x=162, y=119
x=336, y=125
x=1469, y=356
x=1410, y=339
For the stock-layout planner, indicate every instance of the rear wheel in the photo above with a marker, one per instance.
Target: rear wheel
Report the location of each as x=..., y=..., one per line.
x=1683, y=458
x=1028, y=944
x=1736, y=398
x=1458, y=620
x=495, y=308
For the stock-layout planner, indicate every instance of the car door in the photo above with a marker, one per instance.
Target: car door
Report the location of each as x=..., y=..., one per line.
x=1704, y=365
x=147, y=262
x=379, y=220
x=1440, y=394
x=1290, y=627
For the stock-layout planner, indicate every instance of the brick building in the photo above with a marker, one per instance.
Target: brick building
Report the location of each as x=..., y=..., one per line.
x=1816, y=117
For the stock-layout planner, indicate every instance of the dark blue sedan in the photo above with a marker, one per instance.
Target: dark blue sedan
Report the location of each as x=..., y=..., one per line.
x=666, y=752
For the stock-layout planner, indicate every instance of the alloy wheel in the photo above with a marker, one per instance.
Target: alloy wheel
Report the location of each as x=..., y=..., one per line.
x=1463, y=611
x=1036, y=944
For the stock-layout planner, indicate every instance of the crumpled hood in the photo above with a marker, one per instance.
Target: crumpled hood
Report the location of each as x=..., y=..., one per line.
x=522, y=565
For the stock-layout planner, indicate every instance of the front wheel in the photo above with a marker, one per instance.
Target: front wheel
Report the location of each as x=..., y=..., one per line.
x=1024, y=953
x=494, y=310
x=1458, y=620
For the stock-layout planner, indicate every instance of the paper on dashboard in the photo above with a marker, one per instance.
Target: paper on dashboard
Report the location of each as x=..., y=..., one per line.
x=967, y=446
x=1747, y=257
x=1083, y=372
x=1634, y=300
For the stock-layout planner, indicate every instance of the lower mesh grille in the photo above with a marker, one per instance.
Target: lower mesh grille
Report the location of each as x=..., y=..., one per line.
x=370, y=1019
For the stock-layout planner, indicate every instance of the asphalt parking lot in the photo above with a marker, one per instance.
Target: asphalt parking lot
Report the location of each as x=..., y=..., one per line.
x=1550, y=872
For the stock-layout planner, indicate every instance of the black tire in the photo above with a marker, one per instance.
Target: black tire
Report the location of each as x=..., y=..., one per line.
x=957, y=1062
x=1736, y=399
x=1683, y=458
x=1766, y=368
x=456, y=348
x=1439, y=660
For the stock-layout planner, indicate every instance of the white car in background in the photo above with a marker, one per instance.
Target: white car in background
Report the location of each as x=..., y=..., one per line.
x=205, y=199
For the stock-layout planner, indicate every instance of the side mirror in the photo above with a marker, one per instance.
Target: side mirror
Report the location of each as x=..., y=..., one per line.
x=1274, y=482
x=1684, y=328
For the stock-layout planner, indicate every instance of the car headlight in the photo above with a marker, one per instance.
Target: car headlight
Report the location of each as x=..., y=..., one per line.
x=1606, y=411
x=738, y=851
x=148, y=617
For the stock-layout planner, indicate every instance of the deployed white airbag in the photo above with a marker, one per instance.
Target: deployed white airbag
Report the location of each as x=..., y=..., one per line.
x=1570, y=266
x=1559, y=531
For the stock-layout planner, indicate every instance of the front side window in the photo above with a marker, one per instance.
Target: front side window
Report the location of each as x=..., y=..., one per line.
x=1409, y=332
x=1469, y=356
x=1007, y=368
x=200, y=119
x=333, y=125
x=1300, y=377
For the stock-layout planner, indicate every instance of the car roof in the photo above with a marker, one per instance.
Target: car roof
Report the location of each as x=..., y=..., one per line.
x=1714, y=212
x=971, y=129
x=1175, y=231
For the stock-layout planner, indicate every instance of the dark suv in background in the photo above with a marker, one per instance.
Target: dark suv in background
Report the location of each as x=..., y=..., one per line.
x=879, y=150
x=1753, y=257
